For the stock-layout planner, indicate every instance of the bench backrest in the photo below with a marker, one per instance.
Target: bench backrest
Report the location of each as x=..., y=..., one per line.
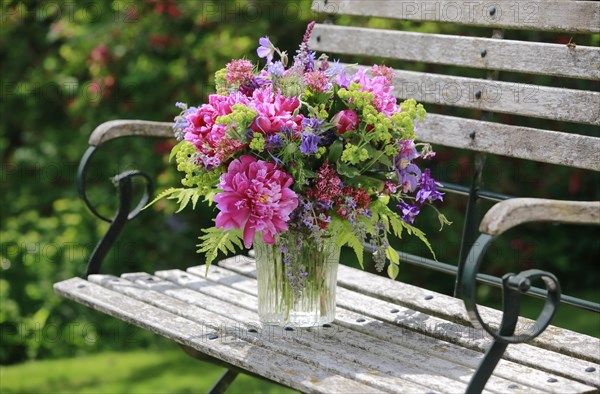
x=565, y=64
x=492, y=54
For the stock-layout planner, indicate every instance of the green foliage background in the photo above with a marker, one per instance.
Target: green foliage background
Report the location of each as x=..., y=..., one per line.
x=68, y=66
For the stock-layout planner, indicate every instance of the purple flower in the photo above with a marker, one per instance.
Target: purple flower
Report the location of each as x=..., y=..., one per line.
x=408, y=151
x=248, y=87
x=288, y=132
x=428, y=189
x=273, y=141
x=312, y=123
x=334, y=68
x=181, y=121
x=266, y=49
x=309, y=143
x=408, y=173
x=408, y=212
x=276, y=69
x=408, y=177
x=309, y=61
x=342, y=79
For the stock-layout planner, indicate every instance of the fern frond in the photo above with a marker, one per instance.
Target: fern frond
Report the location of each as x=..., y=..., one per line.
x=164, y=194
x=217, y=239
x=419, y=234
x=345, y=235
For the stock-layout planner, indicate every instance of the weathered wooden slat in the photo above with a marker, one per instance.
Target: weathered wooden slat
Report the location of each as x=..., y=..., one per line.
x=292, y=372
x=513, y=141
x=370, y=367
x=568, y=16
x=511, y=213
x=196, y=306
x=125, y=128
x=351, y=343
x=424, y=344
x=496, y=96
x=506, y=55
x=441, y=305
x=373, y=308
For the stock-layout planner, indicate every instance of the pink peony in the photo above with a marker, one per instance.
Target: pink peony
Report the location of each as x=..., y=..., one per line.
x=346, y=120
x=256, y=197
x=202, y=130
x=274, y=111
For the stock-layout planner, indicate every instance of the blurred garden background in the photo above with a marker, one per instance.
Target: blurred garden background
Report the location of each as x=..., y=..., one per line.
x=67, y=66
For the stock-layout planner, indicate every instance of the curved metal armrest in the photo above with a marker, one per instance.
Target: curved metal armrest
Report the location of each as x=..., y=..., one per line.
x=105, y=132
x=510, y=213
x=123, y=128
x=502, y=217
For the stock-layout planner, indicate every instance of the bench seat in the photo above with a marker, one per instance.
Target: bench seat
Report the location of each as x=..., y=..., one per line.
x=387, y=337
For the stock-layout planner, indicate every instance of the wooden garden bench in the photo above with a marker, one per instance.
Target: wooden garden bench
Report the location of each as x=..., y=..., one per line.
x=389, y=336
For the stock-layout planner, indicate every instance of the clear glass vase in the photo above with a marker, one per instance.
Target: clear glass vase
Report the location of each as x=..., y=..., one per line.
x=297, y=279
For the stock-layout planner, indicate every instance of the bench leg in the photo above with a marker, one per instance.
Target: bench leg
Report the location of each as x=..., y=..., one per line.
x=224, y=381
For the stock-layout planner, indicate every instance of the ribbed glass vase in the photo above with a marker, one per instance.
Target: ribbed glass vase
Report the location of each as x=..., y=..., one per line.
x=297, y=279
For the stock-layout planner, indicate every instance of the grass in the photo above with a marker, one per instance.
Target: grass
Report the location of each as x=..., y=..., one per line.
x=158, y=371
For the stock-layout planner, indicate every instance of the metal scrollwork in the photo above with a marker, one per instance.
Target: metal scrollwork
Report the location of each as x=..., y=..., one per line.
x=123, y=183
x=513, y=286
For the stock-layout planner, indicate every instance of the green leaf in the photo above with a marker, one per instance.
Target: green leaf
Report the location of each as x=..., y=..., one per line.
x=443, y=220
x=217, y=239
x=335, y=151
x=378, y=155
x=392, y=255
x=346, y=170
x=396, y=223
x=393, y=271
x=345, y=236
x=308, y=173
x=367, y=182
x=175, y=149
x=419, y=234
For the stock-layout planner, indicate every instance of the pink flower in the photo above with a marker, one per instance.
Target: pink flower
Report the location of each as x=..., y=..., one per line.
x=256, y=197
x=384, y=101
x=202, y=130
x=317, y=81
x=383, y=71
x=346, y=120
x=274, y=111
x=238, y=71
x=328, y=186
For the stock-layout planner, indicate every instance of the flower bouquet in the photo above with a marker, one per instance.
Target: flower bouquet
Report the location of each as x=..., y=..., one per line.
x=301, y=158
